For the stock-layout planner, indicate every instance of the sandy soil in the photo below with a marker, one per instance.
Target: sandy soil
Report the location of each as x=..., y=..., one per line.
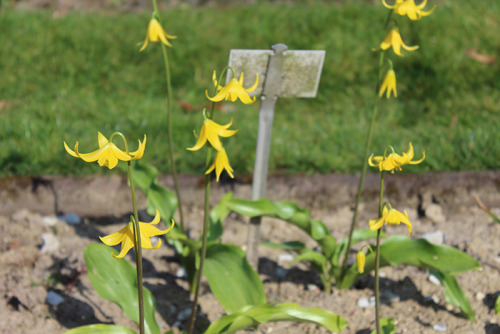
x=29, y=268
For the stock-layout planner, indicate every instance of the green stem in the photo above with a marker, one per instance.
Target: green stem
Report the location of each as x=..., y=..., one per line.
x=377, y=288
x=377, y=257
x=365, y=157
x=169, y=126
x=169, y=134
x=199, y=273
x=138, y=251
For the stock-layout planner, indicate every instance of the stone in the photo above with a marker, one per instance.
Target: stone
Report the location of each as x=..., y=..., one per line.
x=439, y=327
x=50, y=244
x=434, y=280
x=53, y=298
x=366, y=302
x=50, y=221
x=71, y=218
x=436, y=237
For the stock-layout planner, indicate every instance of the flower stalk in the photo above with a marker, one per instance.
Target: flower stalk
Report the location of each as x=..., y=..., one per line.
x=377, y=257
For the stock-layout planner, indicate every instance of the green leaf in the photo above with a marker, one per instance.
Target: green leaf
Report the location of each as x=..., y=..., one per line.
x=259, y=314
x=115, y=280
x=317, y=259
x=232, y=280
x=159, y=198
x=398, y=250
x=497, y=305
x=101, y=329
x=387, y=326
x=288, y=245
x=287, y=211
x=217, y=217
x=454, y=295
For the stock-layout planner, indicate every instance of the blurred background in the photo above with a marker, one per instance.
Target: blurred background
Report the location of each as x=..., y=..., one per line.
x=71, y=68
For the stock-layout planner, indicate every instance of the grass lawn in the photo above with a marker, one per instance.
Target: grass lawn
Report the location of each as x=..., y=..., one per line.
x=65, y=79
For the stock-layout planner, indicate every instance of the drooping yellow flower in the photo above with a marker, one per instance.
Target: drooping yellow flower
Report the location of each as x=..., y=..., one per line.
x=394, y=39
x=220, y=163
x=394, y=161
x=408, y=7
x=234, y=90
x=388, y=84
x=126, y=236
x=360, y=261
x=211, y=131
x=108, y=153
x=391, y=217
x=155, y=34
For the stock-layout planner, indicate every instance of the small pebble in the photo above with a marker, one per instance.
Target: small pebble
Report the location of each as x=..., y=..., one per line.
x=436, y=237
x=50, y=221
x=439, y=327
x=366, y=302
x=53, y=298
x=180, y=273
x=432, y=298
x=434, y=280
x=50, y=244
x=71, y=218
x=281, y=272
x=312, y=287
x=183, y=315
x=480, y=295
x=285, y=257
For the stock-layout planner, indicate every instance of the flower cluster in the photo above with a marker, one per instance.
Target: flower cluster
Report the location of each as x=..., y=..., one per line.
x=211, y=131
x=394, y=161
x=393, y=39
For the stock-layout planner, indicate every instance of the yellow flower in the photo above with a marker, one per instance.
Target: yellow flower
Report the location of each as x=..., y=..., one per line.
x=155, y=34
x=408, y=7
x=393, y=39
x=394, y=160
x=126, y=236
x=211, y=131
x=391, y=217
x=108, y=154
x=221, y=162
x=388, y=84
x=234, y=90
x=360, y=261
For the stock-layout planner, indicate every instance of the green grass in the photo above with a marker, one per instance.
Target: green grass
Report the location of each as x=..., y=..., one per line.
x=67, y=78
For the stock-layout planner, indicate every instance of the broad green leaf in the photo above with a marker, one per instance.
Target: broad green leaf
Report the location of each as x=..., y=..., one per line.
x=217, y=217
x=497, y=305
x=101, y=329
x=116, y=280
x=159, y=198
x=287, y=211
x=453, y=294
x=317, y=259
x=288, y=245
x=232, y=280
x=259, y=314
x=398, y=250
x=386, y=326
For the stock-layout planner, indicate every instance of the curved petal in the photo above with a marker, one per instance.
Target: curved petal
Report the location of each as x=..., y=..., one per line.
x=101, y=139
x=115, y=238
x=376, y=224
x=70, y=151
x=93, y=156
x=140, y=151
x=245, y=98
x=201, y=140
x=119, y=154
x=409, y=48
x=127, y=244
x=418, y=161
x=255, y=84
x=148, y=230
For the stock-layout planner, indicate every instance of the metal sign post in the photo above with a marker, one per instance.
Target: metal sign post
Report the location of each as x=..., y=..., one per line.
x=282, y=73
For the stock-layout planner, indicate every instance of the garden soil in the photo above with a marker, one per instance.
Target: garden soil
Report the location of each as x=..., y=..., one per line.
x=46, y=222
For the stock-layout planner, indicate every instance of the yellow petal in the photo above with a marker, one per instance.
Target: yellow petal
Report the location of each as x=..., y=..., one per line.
x=115, y=238
x=360, y=261
x=127, y=244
